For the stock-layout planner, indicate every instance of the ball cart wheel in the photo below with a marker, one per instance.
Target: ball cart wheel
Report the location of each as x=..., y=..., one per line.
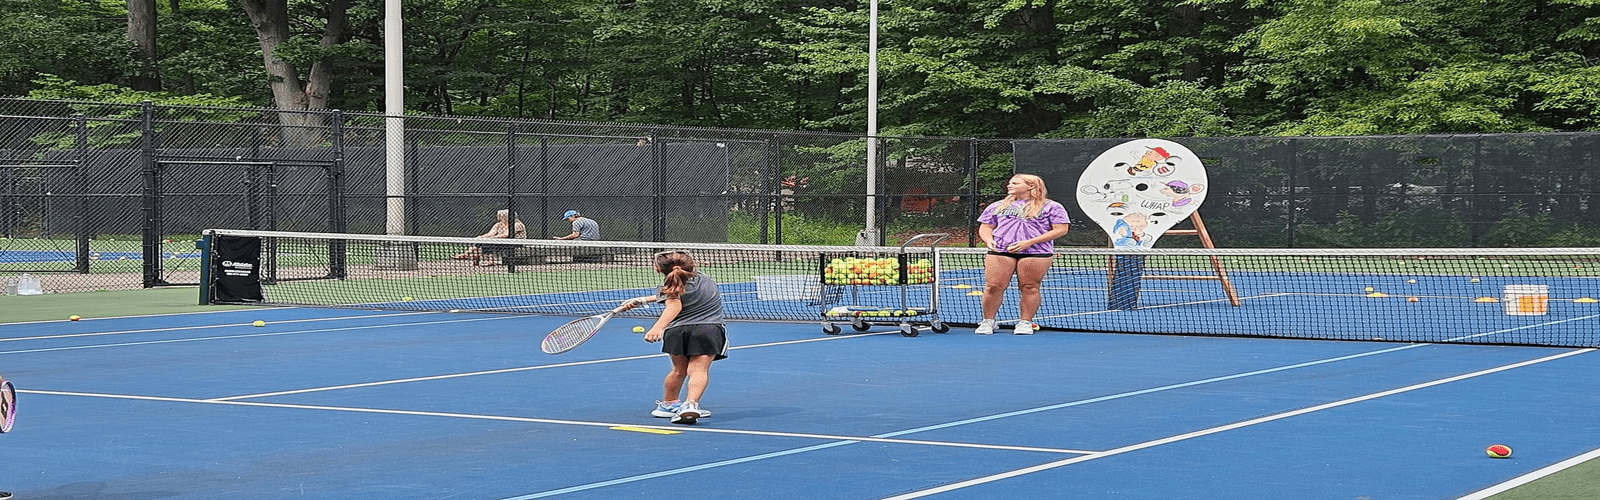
x=860, y=325
x=907, y=330
x=938, y=327
x=830, y=329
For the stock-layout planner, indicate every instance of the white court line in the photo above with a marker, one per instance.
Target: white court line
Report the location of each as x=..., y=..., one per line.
x=249, y=335
x=1158, y=306
x=986, y=418
x=974, y=420
x=226, y=311
x=518, y=369
x=1533, y=476
x=201, y=327
x=1224, y=428
x=583, y=423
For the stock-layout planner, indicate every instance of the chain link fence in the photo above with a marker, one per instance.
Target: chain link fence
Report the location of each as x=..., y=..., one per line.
x=112, y=196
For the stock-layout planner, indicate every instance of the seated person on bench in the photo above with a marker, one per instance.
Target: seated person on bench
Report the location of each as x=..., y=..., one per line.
x=484, y=255
x=583, y=228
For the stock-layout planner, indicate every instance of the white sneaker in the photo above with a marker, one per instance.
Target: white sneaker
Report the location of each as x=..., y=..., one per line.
x=1024, y=327
x=688, y=413
x=985, y=327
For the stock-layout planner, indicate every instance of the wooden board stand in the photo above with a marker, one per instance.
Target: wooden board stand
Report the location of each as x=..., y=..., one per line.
x=1219, y=274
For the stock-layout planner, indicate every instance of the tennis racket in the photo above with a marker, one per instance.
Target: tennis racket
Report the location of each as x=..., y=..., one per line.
x=573, y=334
x=8, y=405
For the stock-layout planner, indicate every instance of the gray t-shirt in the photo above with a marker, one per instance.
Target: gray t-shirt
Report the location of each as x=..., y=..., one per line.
x=586, y=228
x=702, y=302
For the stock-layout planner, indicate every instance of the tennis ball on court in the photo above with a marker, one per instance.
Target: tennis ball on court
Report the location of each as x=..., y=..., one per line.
x=73, y=318
x=1411, y=281
x=259, y=323
x=406, y=298
x=1474, y=280
x=1367, y=289
x=1498, y=451
x=638, y=329
x=1411, y=299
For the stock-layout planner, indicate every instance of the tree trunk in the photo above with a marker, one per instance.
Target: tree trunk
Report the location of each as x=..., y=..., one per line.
x=142, y=30
x=294, y=98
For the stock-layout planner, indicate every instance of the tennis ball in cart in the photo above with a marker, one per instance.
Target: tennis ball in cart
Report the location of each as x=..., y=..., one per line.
x=259, y=323
x=1499, y=451
x=638, y=329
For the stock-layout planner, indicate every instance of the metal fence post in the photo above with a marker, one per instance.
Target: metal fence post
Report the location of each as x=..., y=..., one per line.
x=774, y=191
x=972, y=193
x=153, y=211
x=81, y=151
x=337, y=222
x=511, y=180
x=658, y=215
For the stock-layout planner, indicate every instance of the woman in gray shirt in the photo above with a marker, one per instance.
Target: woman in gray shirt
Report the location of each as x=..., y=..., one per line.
x=692, y=333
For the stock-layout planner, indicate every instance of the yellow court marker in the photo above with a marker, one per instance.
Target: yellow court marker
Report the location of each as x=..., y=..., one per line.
x=962, y=286
x=1586, y=300
x=1377, y=295
x=1486, y=299
x=974, y=292
x=644, y=430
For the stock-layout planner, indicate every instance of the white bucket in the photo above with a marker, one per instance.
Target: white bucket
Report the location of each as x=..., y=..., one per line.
x=28, y=284
x=1526, y=300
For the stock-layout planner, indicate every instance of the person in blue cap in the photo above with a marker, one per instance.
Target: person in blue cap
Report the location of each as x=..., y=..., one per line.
x=583, y=228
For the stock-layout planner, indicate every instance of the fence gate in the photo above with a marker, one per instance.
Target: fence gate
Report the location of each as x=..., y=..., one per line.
x=41, y=218
x=187, y=195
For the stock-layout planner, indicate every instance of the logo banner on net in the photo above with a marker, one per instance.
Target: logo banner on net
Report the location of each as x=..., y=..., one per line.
x=236, y=269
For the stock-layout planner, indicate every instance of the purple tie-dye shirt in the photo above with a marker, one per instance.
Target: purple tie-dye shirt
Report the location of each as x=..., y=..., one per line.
x=1010, y=226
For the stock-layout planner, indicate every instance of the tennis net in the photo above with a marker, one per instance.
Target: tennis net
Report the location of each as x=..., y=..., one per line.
x=1541, y=296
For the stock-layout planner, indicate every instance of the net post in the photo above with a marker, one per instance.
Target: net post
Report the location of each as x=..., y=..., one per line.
x=205, y=267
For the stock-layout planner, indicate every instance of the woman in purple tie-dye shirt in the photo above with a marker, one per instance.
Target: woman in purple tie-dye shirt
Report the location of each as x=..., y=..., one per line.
x=1020, y=232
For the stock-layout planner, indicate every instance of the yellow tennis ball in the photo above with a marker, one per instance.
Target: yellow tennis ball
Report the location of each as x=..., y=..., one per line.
x=407, y=298
x=1368, y=289
x=638, y=329
x=1474, y=280
x=259, y=323
x=1499, y=451
x=73, y=318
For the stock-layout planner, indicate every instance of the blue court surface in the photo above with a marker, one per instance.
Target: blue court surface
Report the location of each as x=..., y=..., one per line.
x=343, y=404
x=40, y=256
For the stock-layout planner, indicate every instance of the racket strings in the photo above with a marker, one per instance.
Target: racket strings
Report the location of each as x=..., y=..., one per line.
x=571, y=335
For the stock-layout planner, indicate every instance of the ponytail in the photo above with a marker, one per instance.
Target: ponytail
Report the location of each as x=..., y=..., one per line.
x=678, y=268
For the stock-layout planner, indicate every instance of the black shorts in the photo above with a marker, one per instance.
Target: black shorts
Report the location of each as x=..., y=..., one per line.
x=696, y=340
x=1020, y=256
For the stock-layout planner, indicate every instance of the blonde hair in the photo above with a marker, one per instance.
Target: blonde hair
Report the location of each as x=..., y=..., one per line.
x=1037, y=196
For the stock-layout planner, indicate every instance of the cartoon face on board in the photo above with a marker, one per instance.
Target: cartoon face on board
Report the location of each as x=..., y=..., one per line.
x=1139, y=189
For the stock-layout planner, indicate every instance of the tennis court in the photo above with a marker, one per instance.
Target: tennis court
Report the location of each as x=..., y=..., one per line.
x=425, y=379
x=348, y=403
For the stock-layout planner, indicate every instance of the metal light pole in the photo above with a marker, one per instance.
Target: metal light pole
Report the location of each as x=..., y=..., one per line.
x=394, y=115
x=869, y=236
x=394, y=255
